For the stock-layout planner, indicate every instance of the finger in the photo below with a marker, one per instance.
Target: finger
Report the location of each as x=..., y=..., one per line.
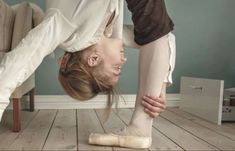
x=154, y=103
x=154, y=97
x=152, y=108
x=150, y=100
x=151, y=114
x=162, y=100
x=151, y=103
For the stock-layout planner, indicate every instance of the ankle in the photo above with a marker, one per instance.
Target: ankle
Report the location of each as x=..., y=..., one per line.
x=140, y=131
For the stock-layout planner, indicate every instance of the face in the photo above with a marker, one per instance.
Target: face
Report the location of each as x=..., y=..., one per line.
x=112, y=53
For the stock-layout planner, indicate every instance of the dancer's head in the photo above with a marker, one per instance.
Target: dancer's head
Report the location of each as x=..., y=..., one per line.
x=85, y=73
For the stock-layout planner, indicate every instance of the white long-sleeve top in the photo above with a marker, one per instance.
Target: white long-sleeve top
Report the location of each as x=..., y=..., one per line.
x=72, y=25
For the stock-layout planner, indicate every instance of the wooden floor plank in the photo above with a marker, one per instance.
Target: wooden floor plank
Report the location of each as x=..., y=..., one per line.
x=6, y=122
x=64, y=129
x=221, y=129
x=230, y=124
x=62, y=135
x=6, y=135
x=160, y=142
x=113, y=123
x=206, y=134
x=34, y=135
x=88, y=122
x=181, y=137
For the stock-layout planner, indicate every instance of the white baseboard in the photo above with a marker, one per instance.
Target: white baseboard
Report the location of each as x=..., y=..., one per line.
x=66, y=102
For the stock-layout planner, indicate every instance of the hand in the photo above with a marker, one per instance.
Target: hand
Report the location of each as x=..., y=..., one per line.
x=154, y=105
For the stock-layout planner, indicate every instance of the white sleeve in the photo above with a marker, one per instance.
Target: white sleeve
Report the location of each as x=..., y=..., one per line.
x=128, y=40
x=172, y=46
x=118, y=25
x=18, y=64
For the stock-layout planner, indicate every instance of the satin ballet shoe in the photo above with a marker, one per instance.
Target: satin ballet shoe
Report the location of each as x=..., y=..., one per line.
x=110, y=139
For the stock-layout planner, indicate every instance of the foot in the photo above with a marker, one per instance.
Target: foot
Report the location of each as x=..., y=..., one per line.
x=128, y=137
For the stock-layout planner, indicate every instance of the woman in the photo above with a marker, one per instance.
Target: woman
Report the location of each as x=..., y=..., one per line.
x=94, y=53
x=152, y=36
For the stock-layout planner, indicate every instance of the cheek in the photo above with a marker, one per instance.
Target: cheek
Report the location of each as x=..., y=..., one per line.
x=115, y=58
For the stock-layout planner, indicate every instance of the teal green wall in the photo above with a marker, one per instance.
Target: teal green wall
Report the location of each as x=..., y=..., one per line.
x=205, y=38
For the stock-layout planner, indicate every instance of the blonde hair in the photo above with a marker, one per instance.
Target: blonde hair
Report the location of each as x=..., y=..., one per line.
x=83, y=82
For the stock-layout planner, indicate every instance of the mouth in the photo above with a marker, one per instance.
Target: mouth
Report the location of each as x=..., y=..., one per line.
x=117, y=71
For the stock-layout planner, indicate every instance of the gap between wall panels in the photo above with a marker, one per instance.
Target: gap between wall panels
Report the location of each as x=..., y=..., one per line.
x=66, y=102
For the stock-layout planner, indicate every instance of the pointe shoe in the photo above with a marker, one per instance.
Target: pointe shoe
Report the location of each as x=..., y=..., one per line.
x=110, y=139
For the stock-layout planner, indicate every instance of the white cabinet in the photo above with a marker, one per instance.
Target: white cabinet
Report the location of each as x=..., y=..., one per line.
x=202, y=97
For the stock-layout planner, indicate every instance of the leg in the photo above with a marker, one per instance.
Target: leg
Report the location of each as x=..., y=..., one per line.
x=153, y=67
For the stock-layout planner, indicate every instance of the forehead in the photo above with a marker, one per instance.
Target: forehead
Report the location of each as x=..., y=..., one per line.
x=109, y=42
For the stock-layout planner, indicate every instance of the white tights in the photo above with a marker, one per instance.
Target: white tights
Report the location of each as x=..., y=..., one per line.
x=153, y=67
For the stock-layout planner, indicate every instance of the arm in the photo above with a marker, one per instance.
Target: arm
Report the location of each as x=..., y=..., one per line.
x=18, y=64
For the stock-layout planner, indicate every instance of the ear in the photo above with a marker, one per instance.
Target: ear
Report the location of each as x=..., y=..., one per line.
x=93, y=59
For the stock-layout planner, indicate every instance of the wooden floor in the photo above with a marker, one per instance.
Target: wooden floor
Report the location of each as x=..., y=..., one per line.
x=69, y=130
